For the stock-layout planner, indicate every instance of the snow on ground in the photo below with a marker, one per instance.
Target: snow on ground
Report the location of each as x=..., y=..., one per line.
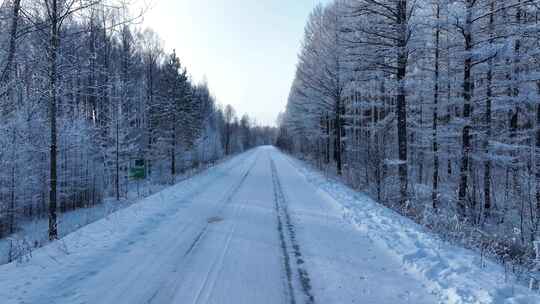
x=34, y=232
x=345, y=266
x=259, y=228
x=454, y=273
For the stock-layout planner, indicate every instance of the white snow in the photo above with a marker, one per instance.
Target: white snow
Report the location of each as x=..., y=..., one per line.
x=453, y=273
x=32, y=232
x=215, y=238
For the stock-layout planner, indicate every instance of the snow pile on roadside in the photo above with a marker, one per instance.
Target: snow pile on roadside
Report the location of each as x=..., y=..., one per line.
x=452, y=272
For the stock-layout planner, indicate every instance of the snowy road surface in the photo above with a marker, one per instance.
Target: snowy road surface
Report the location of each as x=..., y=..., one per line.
x=251, y=230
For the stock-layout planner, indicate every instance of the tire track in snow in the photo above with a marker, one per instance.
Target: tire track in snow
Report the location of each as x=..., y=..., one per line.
x=289, y=243
x=57, y=292
x=218, y=261
x=207, y=288
x=224, y=202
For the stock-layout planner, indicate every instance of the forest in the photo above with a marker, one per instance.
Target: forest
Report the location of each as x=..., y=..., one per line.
x=404, y=166
x=86, y=96
x=433, y=108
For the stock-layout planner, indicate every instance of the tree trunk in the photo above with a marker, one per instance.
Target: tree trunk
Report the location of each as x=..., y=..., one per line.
x=53, y=50
x=12, y=202
x=173, y=154
x=7, y=88
x=467, y=96
x=327, y=156
x=514, y=122
x=117, y=176
x=537, y=156
x=338, y=129
x=435, y=191
x=227, y=138
x=489, y=94
x=12, y=42
x=401, y=101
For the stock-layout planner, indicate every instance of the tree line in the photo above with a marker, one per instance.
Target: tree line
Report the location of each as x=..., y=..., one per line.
x=432, y=107
x=84, y=94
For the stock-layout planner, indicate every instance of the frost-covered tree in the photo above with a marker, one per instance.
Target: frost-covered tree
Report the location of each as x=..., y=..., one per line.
x=451, y=88
x=83, y=95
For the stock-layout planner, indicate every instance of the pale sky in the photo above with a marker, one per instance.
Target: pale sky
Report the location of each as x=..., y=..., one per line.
x=247, y=49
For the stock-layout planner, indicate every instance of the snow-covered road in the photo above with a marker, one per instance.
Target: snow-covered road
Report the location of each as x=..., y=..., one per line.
x=251, y=230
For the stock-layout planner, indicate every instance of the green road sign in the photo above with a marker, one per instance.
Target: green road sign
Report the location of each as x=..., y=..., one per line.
x=138, y=171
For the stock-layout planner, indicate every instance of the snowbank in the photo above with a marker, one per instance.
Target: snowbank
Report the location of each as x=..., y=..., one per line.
x=454, y=273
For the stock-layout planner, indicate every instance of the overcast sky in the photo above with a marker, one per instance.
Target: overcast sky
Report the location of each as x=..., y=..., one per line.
x=247, y=49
